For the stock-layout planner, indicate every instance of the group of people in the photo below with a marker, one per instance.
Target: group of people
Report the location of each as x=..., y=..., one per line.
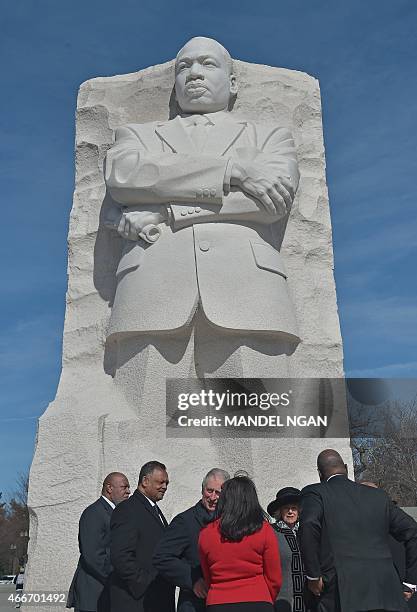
x=328, y=549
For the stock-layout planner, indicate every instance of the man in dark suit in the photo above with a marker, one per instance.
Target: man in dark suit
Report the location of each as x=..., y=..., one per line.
x=176, y=556
x=344, y=536
x=398, y=558
x=137, y=525
x=89, y=590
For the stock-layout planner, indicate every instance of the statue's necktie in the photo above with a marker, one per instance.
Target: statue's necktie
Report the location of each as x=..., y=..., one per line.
x=198, y=130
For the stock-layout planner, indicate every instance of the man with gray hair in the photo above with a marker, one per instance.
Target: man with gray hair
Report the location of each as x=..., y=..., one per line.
x=176, y=557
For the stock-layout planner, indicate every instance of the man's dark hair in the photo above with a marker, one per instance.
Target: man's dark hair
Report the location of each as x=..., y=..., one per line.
x=238, y=509
x=149, y=467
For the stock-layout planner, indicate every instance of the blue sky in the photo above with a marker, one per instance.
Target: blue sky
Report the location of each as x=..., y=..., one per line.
x=364, y=54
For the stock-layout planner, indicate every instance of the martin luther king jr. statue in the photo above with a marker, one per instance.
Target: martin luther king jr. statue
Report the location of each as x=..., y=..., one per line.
x=201, y=202
x=199, y=211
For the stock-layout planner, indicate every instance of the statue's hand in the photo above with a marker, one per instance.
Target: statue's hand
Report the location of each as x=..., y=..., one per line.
x=140, y=224
x=274, y=194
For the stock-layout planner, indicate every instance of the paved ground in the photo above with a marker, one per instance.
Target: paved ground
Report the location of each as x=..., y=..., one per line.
x=5, y=590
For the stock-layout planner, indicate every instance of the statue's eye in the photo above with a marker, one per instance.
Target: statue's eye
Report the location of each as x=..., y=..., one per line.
x=209, y=62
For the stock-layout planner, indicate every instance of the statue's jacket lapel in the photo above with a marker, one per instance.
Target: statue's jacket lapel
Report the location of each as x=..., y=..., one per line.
x=220, y=137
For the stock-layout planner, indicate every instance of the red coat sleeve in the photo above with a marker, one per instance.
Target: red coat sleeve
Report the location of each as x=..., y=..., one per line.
x=272, y=563
x=202, y=551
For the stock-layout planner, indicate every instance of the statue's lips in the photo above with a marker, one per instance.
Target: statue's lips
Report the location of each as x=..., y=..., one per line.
x=196, y=89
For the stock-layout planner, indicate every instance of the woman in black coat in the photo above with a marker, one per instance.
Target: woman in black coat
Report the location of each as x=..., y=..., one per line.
x=285, y=509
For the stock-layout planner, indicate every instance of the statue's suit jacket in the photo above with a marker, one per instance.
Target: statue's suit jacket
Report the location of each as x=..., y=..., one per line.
x=219, y=248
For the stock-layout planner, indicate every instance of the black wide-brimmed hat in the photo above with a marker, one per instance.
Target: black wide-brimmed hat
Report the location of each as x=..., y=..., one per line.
x=287, y=495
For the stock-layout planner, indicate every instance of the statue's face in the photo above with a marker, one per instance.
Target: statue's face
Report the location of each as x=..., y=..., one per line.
x=203, y=83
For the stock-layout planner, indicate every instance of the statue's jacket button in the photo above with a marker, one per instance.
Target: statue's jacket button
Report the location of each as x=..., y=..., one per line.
x=204, y=245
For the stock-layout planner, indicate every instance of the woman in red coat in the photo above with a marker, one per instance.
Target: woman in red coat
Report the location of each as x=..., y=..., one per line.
x=239, y=553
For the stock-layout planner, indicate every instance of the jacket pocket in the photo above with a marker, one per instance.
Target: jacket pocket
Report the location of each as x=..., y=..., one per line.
x=268, y=258
x=132, y=258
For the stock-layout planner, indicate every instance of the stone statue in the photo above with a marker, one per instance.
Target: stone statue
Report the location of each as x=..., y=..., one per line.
x=202, y=291
x=200, y=199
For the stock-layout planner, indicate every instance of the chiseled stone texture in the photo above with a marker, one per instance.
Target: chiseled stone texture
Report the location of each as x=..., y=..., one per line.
x=91, y=428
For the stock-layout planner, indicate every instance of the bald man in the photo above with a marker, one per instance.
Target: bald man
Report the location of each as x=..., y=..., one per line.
x=344, y=538
x=89, y=588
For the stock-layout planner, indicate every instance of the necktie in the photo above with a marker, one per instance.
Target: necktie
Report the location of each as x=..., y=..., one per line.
x=159, y=515
x=198, y=130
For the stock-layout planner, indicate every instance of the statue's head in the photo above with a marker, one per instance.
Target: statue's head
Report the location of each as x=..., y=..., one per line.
x=204, y=79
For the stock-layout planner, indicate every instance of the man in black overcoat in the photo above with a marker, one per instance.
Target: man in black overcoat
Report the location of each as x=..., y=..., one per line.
x=344, y=537
x=398, y=558
x=89, y=590
x=137, y=525
x=176, y=556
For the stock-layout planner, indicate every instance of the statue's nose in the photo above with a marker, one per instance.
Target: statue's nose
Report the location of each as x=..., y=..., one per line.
x=195, y=70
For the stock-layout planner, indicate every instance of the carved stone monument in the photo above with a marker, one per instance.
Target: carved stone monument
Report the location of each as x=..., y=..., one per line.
x=200, y=246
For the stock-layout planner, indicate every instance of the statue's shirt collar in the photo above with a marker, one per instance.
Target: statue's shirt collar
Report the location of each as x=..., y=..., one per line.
x=188, y=119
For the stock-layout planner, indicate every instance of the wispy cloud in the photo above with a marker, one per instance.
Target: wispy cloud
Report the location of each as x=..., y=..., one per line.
x=379, y=333
x=29, y=369
x=29, y=364
x=391, y=319
x=27, y=343
x=17, y=444
x=16, y=419
x=386, y=244
x=392, y=370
